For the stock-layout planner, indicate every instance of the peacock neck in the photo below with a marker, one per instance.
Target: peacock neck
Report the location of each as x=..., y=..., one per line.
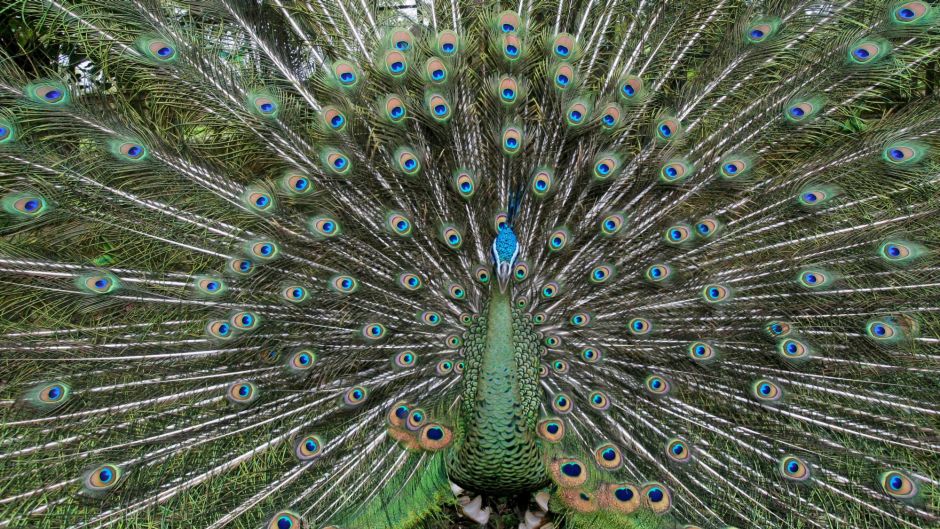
x=498, y=452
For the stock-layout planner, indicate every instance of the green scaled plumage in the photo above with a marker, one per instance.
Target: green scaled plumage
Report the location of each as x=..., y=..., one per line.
x=569, y=264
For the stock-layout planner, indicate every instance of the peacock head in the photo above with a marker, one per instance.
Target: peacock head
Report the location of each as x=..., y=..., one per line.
x=505, y=251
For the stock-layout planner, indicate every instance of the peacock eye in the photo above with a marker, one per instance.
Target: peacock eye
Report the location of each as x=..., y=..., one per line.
x=355, y=396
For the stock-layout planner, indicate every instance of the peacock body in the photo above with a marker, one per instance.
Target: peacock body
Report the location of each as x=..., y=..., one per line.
x=573, y=264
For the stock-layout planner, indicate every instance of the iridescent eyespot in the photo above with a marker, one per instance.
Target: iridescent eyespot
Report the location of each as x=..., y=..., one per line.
x=448, y=42
x=899, y=252
x=294, y=293
x=396, y=64
x=898, y=485
x=335, y=161
x=444, y=367
x=631, y=87
x=269, y=356
x=561, y=403
x=560, y=367
x=884, y=330
x=158, y=49
x=658, y=273
x=580, y=319
x=563, y=45
x=793, y=349
x=345, y=73
x=606, y=166
x=608, y=457
x=539, y=318
x=210, y=286
x=793, y=468
x=301, y=361
x=102, y=478
x=508, y=22
x=482, y=274
x=868, y=51
x=453, y=341
x=296, y=184
x=760, y=31
x=558, y=239
x=522, y=302
x=667, y=128
x=404, y=359
x=552, y=340
x=400, y=39
x=815, y=278
x=657, y=497
x=802, y=110
x=464, y=183
x=456, y=292
x=778, y=329
x=734, y=167
x=677, y=234
x=624, y=497
x=323, y=226
x=438, y=107
x=911, y=12
x=675, y=171
x=48, y=92
x=520, y=271
x=398, y=224
x=285, y=520
x=549, y=290
x=430, y=317
x=511, y=139
x=241, y=392
x=435, y=70
x=702, y=352
x=333, y=118
x=344, y=284
x=451, y=237
x=512, y=47
x=706, y=228
x=355, y=396
x=131, y=151
x=410, y=281
x=7, y=131
x=657, y=385
x=766, y=391
x=244, y=320
x=599, y=400
x=219, y=329
x=552, y=430
x=465, y=318
x=407, y=161
x=543, y=370
x=601, y=273
x=416, y=419
x=577, y=113
x=395, y=109
x=564, y=76
x=716, y=293
x=500, y=221
x=639, y=326
x=373, y=331
x=542, y=181
x=100, y=283
x=611, y=116
x=398, y=414
x=49, y=396
x=508, y=89
x=569, y=472
x=265, y=105
x=612, y=224
x=678, y=451
x=308, y=447
x=263, y=250
x=435, y=437
x=591, y=355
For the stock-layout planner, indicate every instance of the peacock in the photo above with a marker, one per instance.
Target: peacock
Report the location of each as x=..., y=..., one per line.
x=570, y=264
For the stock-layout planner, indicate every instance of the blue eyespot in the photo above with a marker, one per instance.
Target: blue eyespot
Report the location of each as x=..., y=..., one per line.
x=608, y=120
x=562, y=50
x=337, y=121
x=861, y=53
x=628, y=90
x=440, y=110
x=508, y=28
x=165, y=51
x=53, y=95
x=397, y=112
x=575, y=115
x=624, y=494
x=509, y=94
x=571, y=469
x=756, y=34
x=437, y=75
x=448, y=47
x=512, y=50
x=797, y=112
x=402, y=45
x=398, y=67
x=655, y=494
x=347, y=77
x=562, y=79
x=665, y=131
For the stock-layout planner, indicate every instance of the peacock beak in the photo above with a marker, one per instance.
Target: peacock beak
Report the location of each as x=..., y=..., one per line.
x=502, y=276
